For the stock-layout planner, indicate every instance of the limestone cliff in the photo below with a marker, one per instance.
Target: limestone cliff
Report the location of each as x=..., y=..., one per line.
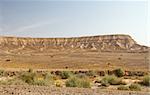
x=101, y=43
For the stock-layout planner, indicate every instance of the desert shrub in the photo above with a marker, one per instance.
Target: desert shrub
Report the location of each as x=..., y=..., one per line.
x=59, y=83
x=55, y=77
x=105, y=83
x=72, y=82
x=76, y=82
x=119, y=72
x=30, y=70
x=48, y=76
x=81, y=75
x=5, y=82
x=135, y=87
x=98, y=80
x=113, y=80
x=41, y=82
x=146, y=80
x=91, y=73
x=84, y=83
x=32, y=79
x=1, y=72
x=65, y=74
x=28, y=77
x=122, y=87
x=14, y=81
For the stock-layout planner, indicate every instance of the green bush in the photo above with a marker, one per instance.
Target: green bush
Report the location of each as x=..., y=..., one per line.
x=135, y=87
x=113, y=80
x=146, y=80
x=122, y=87
x=119, y=72
x=65, y=74
x=76, y=82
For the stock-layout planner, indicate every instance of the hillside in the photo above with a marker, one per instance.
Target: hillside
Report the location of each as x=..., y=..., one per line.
x=100, y=43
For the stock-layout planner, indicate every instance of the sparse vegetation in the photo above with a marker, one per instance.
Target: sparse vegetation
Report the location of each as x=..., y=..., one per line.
x=59, y=83
x=146, y=80
x=76, y=82
x=132, y=87
x=41, y=82
x=81, y=75
x=28, y=77
x=119, y=72
x=91, y=73
x=84, y=83
x=48, y=76
x=72, y=82
x=70, y=79
x=135, y=87
x=32, y=78
x=1, y=72
x=112, y=80
x=65, y=74
x=122, y=87
x=14, y=81
x=30, y=70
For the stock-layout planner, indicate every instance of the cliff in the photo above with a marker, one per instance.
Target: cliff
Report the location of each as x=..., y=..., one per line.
x=101, y=43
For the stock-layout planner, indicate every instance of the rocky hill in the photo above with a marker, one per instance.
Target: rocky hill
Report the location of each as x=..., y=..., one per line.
x=100, y=43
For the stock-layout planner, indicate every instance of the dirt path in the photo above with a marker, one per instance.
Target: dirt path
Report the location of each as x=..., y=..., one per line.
x=43, y=90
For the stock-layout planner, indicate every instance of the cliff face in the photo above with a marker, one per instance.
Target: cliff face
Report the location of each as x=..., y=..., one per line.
x=102, y=43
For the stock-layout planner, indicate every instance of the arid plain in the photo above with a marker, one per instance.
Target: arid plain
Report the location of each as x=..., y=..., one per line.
x=80, y=55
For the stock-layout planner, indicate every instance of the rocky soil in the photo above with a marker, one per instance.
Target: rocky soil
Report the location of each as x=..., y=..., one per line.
x=43, y=90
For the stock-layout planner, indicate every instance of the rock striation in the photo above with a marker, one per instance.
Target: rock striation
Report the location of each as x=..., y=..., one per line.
x=101, y=43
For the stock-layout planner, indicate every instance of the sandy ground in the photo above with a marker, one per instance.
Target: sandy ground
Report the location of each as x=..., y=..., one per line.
x=43, y=90
x=76, y=60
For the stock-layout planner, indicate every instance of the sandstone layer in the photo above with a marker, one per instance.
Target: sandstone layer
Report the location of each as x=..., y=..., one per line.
x=101, y=43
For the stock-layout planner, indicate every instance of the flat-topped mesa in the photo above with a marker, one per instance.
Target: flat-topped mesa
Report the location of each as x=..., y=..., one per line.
x=102, y=43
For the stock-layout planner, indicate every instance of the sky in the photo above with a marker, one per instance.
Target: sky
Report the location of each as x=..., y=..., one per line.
x=70, y=18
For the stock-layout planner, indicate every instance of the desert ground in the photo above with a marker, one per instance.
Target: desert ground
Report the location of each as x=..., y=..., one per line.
x=100, y=65
x=73, y=61
x=76, y=60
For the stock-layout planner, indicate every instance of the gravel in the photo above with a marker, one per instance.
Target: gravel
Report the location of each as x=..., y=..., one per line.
x=45, y=90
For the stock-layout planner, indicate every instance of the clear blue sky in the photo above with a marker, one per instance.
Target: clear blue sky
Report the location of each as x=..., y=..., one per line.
x=37, y=18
